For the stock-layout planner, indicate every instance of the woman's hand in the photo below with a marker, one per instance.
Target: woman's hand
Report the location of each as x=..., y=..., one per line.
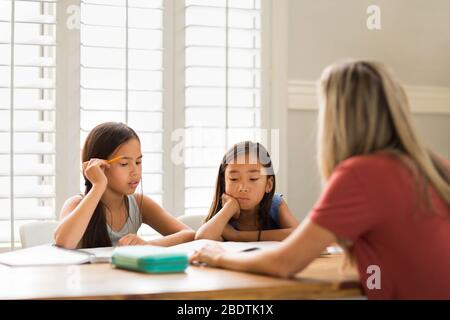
x=232, y=203
x=131, y=240
x=94, y=171
x=209, y=254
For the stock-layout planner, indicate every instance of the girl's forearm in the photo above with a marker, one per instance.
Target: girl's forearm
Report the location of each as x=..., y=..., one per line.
x=213, y=228
x=266, y=235
x=174, y=239
x=71, y=229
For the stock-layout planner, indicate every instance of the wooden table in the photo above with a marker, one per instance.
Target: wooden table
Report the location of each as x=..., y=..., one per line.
x=322, y=279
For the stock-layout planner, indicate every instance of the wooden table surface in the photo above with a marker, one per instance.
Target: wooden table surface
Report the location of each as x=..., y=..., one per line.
x=322, y=279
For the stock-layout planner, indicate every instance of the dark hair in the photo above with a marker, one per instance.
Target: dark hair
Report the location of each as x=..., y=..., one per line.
x=253, y=151
x=101, y=142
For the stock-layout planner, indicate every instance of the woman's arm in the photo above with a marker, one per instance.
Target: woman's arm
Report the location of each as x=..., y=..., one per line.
x=213, y=228
x=173, y=230
x=305, y=244
x=266, y=235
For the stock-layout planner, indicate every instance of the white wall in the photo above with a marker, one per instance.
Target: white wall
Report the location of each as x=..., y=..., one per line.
x=414, y=38
x=414, y=41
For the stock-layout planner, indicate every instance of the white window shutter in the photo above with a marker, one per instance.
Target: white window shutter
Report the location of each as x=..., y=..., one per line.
x=27, y=115
x=122, y=76
x=129, y=72
x=223, y=89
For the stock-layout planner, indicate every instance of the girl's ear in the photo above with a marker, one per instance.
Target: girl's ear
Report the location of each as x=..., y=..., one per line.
x=269, y=184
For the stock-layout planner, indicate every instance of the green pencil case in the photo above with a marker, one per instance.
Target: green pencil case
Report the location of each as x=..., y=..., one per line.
x=149, y=259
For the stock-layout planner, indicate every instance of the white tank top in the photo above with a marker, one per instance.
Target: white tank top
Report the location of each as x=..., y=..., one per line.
x=132, y=224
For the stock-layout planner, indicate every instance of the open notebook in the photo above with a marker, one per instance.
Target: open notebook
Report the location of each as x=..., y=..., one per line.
x=190, y=247
x=50, y=254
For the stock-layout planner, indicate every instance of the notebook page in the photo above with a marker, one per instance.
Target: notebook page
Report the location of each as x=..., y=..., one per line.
x=47, y=254
x=99, y=255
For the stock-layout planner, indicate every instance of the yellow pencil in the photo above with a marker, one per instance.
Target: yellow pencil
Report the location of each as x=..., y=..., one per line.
x=115, y=159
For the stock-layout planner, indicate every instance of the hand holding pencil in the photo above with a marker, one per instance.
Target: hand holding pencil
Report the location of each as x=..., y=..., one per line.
x=94, y=170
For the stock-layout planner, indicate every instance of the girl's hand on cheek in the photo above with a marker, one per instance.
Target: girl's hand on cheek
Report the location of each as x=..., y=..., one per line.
x=233, y=203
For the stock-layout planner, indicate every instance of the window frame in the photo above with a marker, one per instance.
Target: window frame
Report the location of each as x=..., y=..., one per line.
x=47, y=27
x=273, y=109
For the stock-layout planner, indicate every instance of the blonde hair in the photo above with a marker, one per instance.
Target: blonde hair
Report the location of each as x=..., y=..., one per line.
x=365, y=110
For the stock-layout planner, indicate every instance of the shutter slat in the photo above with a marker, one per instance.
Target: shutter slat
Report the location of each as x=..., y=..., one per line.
x=36, y=105
x=37, y=126
x=32, y=84
x=83, y=108
x=222, y=8
x=43, y=1
x=37, y=148
x=119, y=89
x=119, y=26
x=221, y=67
x=31, y=171
x=120, y=68
x=206, y=46
x=119, y=47
x=37, y=62
x=245, y=30
x=35, y=41
x=38, y=192
x=41, y=19
x=249, y=89
x=32, y=213
x=110, y=4
x=221, y=107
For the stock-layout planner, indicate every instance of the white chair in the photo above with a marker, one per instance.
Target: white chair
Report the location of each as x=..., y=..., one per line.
x=193, y=221
x=37, y=233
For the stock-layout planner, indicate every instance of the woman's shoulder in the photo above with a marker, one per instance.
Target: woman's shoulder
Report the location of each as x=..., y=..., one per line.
x=381, y=163
x=381, y=174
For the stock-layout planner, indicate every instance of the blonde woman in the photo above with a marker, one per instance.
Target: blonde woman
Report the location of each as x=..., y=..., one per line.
x=387, y=198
